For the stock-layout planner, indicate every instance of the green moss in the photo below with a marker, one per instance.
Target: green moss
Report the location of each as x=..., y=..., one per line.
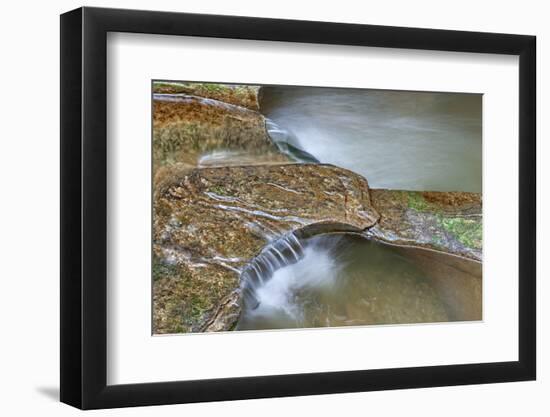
x=467, y=231
x=163, y=270
x=197, y=307
x=241, y=95
x=169, y=87
x=178, y=328
x=218, y=189
x=416, y=202
x=190, y=88
x=233, y=326
x=213, y=88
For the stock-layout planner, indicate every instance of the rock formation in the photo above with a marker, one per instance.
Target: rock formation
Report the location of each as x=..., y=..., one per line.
x=223, y=190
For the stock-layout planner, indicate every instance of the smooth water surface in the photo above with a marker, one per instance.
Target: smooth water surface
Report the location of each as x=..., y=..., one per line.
x=395, y=139
x=345, y=280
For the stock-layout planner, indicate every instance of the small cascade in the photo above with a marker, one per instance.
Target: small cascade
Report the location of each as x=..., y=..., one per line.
x=287, y=143
x=346, y=280
x=284, y=251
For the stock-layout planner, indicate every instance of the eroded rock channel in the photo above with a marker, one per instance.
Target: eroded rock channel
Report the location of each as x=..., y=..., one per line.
x=232, y=206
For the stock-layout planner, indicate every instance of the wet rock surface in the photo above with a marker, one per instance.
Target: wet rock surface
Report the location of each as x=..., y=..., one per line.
x=449, y=222
x=190, y=131
x=239, y=95
x=225, y=189
x=210, y=222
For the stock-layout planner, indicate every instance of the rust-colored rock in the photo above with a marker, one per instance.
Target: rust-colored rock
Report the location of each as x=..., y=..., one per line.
x=240, y=95
x=210, y=222
x=190, y=131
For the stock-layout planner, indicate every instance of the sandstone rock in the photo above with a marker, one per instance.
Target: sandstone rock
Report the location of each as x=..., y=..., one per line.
x=210, y=222
x=450, y=222
x=188, y=129
x=240, y=95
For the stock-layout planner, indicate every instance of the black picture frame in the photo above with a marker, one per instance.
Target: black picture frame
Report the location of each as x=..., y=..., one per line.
x=84, y=207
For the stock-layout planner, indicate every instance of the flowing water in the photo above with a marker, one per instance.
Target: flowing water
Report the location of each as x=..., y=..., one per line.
x=395, y=139
x=345, y=280
x=398, y=140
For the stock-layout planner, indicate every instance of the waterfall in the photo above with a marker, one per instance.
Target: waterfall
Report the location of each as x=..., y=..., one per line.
x=287, y=143
x=280, y=253
x=346, y=280
x=278, y=285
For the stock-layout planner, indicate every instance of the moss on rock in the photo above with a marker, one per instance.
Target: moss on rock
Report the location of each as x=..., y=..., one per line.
x=187, y=129
x=467, y=231
x=209, y=223
x=416, y=201
x=240, y=95
x=444, y=221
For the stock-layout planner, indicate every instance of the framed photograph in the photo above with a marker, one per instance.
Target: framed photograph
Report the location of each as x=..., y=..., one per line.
x=257, y=208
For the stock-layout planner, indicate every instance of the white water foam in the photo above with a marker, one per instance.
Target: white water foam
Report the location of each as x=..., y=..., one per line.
x=278, y=293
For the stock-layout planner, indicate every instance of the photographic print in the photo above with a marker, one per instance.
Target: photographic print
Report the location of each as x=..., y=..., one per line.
x=293, y=207
x=332, y=185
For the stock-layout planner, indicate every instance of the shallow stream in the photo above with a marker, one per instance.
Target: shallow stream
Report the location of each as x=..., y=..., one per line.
x=345, y=280
x=397, y=140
